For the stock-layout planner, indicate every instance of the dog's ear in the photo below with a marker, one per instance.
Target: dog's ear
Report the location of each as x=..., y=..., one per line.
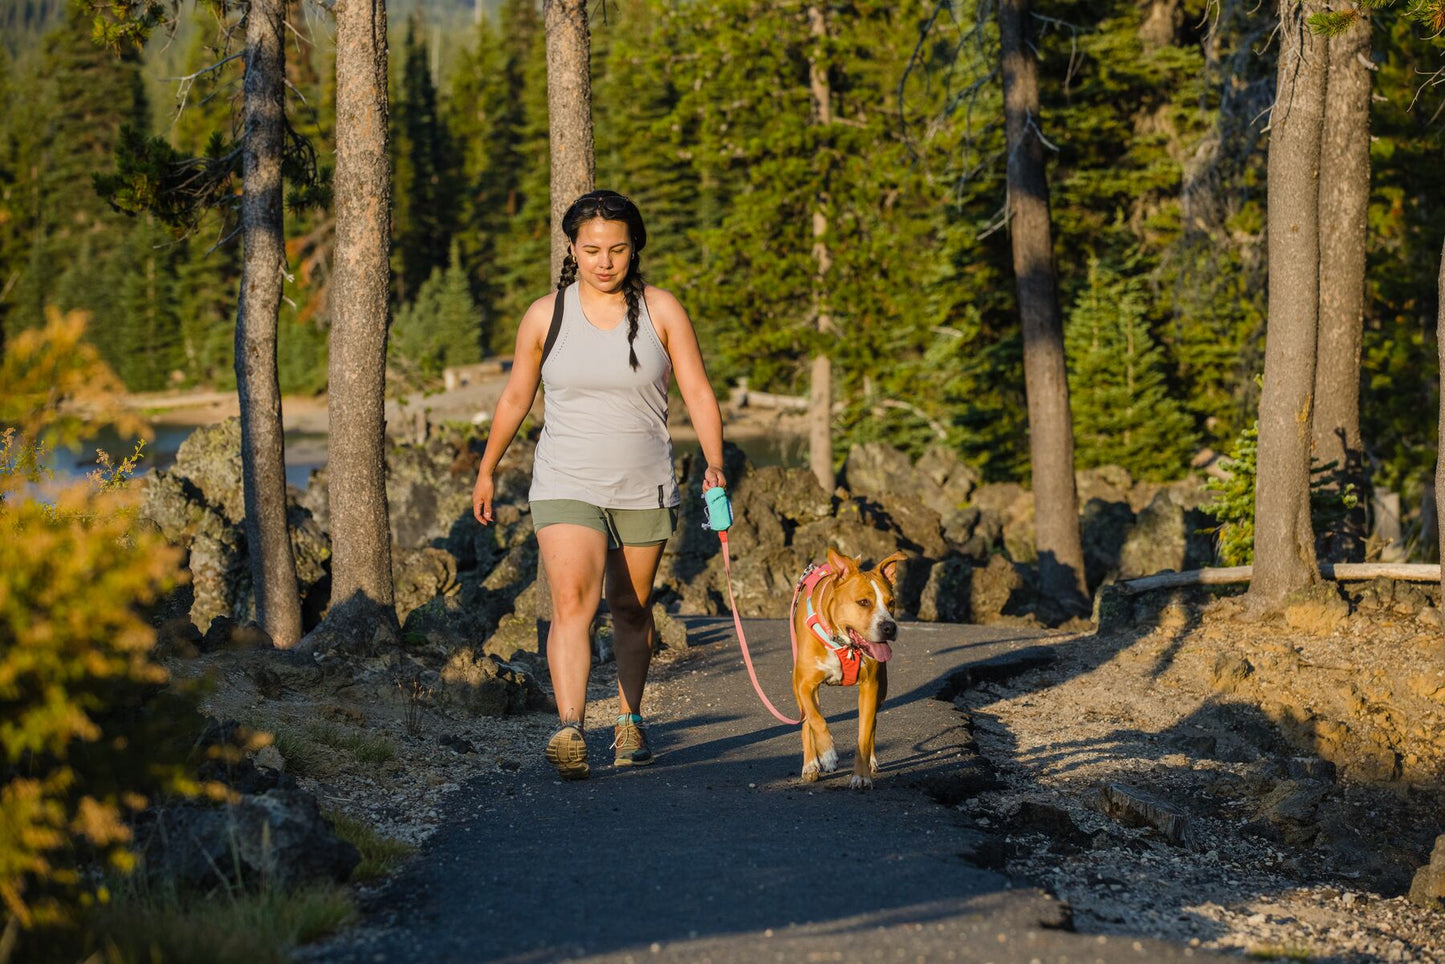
x=889, y=566
x=840, y=563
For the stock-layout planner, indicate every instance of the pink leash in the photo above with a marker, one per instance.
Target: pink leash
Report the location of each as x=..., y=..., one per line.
x=743, y=640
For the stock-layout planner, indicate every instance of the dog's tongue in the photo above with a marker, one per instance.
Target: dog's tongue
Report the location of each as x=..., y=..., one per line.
x=879, y=651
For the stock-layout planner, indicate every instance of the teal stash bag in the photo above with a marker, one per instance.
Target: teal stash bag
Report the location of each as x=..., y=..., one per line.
x=719, y=509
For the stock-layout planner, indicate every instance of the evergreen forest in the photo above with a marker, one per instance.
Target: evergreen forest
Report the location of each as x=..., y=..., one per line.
x=1154, y=114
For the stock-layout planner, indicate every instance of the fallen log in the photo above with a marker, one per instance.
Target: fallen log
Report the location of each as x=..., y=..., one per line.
x=1339, y=571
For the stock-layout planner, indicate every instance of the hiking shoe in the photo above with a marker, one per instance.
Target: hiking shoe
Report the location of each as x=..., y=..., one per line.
x=567, y=751
x=630, y=742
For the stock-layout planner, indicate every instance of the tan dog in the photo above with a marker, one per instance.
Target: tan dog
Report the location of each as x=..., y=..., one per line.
x=844, y=626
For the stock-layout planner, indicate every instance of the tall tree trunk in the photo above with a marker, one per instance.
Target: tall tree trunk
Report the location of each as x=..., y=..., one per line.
x=263, y=450
x=361, y=587
x=1051, y=432
x=1440, y=441
x=574, y=162
x=1344, y=202
x=569, y=112
x=1284, y=549
x=820, y=391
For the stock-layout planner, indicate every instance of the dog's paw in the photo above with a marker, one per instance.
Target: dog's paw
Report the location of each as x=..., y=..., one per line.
x=828, y=760
x=873, y=766
x=810, y=771
x=860, y=783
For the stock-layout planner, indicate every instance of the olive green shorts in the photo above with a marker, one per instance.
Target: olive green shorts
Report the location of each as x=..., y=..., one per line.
x=624, y=527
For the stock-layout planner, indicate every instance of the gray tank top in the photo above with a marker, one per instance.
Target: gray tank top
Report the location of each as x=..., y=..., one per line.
x=604, y=433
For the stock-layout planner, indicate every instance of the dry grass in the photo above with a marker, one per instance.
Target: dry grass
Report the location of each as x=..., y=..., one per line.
x=379, y=855
x=163, y=927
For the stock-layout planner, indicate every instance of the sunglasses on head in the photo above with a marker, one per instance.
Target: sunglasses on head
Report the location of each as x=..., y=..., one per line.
x=611, y=206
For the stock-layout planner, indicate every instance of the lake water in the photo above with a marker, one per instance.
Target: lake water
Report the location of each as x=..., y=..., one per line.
x=306, y=451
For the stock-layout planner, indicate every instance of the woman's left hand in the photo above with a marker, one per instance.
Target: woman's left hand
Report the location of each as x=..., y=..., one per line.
x=713, y=477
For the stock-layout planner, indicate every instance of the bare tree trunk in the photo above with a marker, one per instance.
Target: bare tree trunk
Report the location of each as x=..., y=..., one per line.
x=569, y=112
x=1440, y=443
x=362, y=595
x=1344, y=202
x=574, y=163
x=263, y=447
x=1051, y=432
x=1284, y=549
x=820, y=391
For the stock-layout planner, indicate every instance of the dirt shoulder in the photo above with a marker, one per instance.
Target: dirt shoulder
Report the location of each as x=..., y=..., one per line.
x=1285, y=782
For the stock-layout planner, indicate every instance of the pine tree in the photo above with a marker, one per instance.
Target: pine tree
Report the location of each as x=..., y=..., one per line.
x=641, y=151
x=769, y=170
x=484, y=115
x=424, y=212
x=85, y=96
x=523, y=240
x=1123, y=413
x=440, y=328
x=147, y=283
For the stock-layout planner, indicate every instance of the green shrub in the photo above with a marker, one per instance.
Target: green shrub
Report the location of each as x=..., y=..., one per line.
x=88, y=732
x=1233, y=504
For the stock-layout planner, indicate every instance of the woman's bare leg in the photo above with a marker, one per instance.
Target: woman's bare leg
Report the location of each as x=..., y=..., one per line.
x=630, y=571
x=575, y=557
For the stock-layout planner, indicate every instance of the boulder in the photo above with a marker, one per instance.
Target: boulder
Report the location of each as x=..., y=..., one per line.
x=877, y=469
x=671, y=633
x=962, y=531
x=919, y=526
x=940, y=479
x=1156, y=543
x=955, y=479
x=173, y=504
x=998, y=589
x=419, y=576
x=1107, y=483
x=945, y=597
x=443, y=624
x=220, y=570
x=1011, y=507
x=1135, y=808
x=425, y=492
x=276, y=839
x=1104, y=528
x=484, y=685
x=210, y=458
x=1291, y=808
x=1427, y=889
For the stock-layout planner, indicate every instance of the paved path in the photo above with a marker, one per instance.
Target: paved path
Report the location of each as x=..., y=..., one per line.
x=717, y=853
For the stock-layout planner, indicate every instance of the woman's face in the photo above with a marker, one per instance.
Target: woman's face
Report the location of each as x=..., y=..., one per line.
x=603, y=250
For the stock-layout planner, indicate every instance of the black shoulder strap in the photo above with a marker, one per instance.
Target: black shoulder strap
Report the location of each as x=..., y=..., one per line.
x=556, y=325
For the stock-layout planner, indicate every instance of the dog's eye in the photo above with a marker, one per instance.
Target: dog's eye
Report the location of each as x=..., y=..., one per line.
x=866, y=603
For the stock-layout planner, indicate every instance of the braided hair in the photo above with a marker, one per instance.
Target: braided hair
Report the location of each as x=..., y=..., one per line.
x=611, y=206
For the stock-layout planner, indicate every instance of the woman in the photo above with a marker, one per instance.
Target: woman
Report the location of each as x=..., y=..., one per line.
x=604, y=496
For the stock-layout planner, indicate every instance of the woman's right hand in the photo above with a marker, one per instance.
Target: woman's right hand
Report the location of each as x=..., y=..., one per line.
x=482, y=498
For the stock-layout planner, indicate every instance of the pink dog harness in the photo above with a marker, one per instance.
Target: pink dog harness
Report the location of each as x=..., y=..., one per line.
x=849, y=656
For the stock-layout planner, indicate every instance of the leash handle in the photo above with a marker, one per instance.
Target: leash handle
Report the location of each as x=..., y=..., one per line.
x=719, y=510
x=743, y=640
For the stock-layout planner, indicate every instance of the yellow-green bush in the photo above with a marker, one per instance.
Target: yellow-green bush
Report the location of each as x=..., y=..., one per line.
x=86, y=732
